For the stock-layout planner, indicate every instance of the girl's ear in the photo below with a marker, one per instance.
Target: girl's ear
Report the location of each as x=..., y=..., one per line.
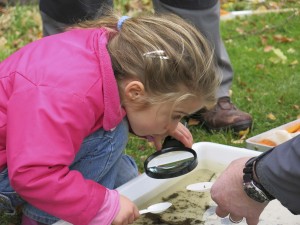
x=134, y=90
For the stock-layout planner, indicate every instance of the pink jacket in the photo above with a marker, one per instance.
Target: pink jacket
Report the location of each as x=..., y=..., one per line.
x=53, y=93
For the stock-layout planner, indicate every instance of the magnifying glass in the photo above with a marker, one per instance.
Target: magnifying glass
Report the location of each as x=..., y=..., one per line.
x=173, y=160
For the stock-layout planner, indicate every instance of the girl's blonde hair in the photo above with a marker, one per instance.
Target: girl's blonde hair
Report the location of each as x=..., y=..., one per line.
x=163, y=51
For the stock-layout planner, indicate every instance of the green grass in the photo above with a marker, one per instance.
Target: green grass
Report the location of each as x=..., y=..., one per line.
x=261, y=86
x=19, y=25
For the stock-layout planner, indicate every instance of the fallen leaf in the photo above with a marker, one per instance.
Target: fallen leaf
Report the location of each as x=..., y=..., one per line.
x=193, y=122
x=271, y=116
x=295, y=62
x=3, y=42
x=260, y=66
x=237, y=141
x=296, y=107
x=243, y=133
x=261, y=8
x=291, y=50
x=263, y=39
x=274, y=5
x=282, y=39
x=249, y=99
x=268, y=48
x=240, y=30
x=280, y=57
x=274, y=60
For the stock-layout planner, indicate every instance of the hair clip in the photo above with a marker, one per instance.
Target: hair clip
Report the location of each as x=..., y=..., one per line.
x=156, y=54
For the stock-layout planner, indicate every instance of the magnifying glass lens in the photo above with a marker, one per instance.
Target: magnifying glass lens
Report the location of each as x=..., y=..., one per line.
x=170, y=162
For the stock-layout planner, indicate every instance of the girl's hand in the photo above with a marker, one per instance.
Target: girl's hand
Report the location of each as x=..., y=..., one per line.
x=181, y=133
x=128, y=212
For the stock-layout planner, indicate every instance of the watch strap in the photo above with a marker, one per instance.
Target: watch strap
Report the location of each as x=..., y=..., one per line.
x=248, y=173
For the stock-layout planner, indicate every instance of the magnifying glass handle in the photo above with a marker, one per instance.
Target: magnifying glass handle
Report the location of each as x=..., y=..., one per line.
x=171, y=142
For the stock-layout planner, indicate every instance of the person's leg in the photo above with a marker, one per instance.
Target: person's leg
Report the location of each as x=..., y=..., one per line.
x=100, y=159
x=207, y=20
x=58, y=15
x=9, y=199
x=205, y=15
x=27, y=221
x=127, y=164
x=51, y=26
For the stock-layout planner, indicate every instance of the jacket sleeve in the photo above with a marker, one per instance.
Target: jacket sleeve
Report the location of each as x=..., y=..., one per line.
x=279, y=173
x=45, y=128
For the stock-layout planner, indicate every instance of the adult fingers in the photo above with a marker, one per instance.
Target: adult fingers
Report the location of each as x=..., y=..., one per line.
x=234, y=218
x=252, y=221
x=220, y=212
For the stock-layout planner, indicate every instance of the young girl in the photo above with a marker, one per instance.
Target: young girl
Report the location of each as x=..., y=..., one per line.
x=67, y=102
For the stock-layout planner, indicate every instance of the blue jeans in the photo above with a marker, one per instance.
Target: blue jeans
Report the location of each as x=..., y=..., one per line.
x=9, y=199
x=101, y=159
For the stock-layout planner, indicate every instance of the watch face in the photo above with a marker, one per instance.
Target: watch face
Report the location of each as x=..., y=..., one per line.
x=254, y=192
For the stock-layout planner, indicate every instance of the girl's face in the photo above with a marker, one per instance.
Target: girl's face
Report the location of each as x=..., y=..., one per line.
x=159, y=119
x=155, y=120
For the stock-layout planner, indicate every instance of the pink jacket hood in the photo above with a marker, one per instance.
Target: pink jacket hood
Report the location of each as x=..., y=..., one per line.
x=53, y=93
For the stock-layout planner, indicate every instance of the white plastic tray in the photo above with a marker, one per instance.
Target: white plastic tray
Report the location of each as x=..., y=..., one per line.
x=144, y=188
x=252, y=143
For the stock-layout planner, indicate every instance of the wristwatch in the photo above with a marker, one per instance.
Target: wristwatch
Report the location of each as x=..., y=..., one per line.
x=252, y=188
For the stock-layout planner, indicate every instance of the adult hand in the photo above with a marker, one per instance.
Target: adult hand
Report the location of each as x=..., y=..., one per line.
x=228, y=193
x=128, y=212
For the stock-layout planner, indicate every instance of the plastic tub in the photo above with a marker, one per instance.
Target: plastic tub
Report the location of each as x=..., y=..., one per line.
x=253, y=142
x=144, y=188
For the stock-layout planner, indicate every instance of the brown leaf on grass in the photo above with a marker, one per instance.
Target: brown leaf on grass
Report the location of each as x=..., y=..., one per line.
x=243, y=133
x=193, y=122
x=282, y=39
x=260, y=66
x=141, y=147
x=3, y=42
x=263, y=39
x=268, y=48
x=242, y=137
x=274, y=5
x=262, y=8
x=239, y=141
x=241, y=82
x=2, y=10
x=291, y=50
x=295, y=62
x=5, y=20
x=279, y=56
x=240, y=30
x=297, y=107
x=271, y=116
x=249, y=99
